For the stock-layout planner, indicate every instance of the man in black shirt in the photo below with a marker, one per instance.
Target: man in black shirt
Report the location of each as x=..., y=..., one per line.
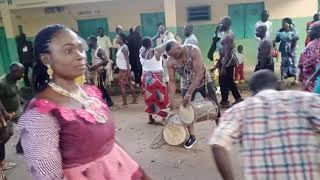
x=25, y=51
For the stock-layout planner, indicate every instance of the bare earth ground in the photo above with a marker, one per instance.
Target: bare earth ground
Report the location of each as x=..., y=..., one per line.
x=164, y=163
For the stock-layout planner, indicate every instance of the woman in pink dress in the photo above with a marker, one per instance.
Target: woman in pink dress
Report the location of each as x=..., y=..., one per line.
x=67, y=131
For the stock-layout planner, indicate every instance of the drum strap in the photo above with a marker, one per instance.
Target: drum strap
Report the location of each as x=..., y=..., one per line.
x=209, y=110
x=158, y=141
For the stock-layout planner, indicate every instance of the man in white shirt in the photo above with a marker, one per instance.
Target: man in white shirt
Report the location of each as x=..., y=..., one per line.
x=190, y=37
x=119, y=30
x=104, y=43
x=162, y=37
x=265, y=21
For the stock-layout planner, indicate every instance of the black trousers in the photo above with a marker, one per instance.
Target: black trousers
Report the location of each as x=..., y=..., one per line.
x=137, y=76
x=227, y=84
x=26, y=73
x=2, y=152
x=19, y=147
x=136, y=66
x=137, y=70
x=103, y=89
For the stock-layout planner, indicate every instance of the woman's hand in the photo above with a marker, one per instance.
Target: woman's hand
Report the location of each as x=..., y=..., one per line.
x=308, y=83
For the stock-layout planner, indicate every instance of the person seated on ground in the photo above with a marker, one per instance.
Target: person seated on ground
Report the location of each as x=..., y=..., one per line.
x=268, y=126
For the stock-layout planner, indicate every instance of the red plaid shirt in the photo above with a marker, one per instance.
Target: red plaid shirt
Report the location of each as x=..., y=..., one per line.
x=279, y=134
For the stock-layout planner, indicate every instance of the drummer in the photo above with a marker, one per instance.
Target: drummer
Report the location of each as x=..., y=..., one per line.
x=187, y=61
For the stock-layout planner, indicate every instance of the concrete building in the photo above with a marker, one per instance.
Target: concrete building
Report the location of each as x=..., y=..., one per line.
x=85, y=16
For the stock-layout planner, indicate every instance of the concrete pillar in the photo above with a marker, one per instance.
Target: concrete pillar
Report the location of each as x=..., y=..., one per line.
x=170, y=15
x=10, y=27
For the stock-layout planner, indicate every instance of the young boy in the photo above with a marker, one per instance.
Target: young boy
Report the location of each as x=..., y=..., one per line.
x=239, y=77
x=275, y=51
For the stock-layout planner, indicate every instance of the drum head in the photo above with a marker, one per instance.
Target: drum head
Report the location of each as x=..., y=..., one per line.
x=174, y=134
x=187, y=114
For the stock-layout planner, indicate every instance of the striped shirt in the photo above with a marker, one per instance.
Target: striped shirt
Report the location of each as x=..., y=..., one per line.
x=279, y=134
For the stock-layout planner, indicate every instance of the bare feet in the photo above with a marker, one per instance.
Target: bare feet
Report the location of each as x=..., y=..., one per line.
x=134, y=101
x=124, y=105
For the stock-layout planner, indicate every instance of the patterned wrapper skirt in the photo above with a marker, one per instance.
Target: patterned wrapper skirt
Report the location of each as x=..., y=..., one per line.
x=155, y=93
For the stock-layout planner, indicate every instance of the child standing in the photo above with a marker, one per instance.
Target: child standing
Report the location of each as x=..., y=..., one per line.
x=275, y=51
x=239, y=76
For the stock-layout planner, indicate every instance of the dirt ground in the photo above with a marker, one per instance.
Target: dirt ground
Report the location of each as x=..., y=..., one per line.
x=164, y=163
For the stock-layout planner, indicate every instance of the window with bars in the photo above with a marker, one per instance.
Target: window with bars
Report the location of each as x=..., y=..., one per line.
x=199, y=13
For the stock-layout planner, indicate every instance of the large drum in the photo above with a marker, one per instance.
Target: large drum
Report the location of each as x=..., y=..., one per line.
x=174, y=132
x=198, y=111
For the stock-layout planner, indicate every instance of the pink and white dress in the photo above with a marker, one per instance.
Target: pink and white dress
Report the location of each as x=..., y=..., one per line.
x=61, y=143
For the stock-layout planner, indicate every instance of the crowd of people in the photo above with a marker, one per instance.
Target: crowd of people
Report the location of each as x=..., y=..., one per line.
x=278, y=130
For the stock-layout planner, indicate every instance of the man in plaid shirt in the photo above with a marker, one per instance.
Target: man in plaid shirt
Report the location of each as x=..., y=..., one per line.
x=279, y=132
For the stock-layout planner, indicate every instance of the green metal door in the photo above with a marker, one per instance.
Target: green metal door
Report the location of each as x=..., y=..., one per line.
x=4, y=52
x=149, y=22
x=236, y=12
x=252, y=15
x=88, y=27
x=244, y=18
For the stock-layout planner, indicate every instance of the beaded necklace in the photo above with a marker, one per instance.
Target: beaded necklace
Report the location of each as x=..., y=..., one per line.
x=88, y=103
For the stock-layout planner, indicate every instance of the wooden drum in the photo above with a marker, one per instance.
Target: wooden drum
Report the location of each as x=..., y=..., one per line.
x=174, y=132
x=198, y=111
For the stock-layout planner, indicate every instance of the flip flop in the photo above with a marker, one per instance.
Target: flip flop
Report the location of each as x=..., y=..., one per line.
x=134, y=102
x=123, y=107
x=9, y=165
